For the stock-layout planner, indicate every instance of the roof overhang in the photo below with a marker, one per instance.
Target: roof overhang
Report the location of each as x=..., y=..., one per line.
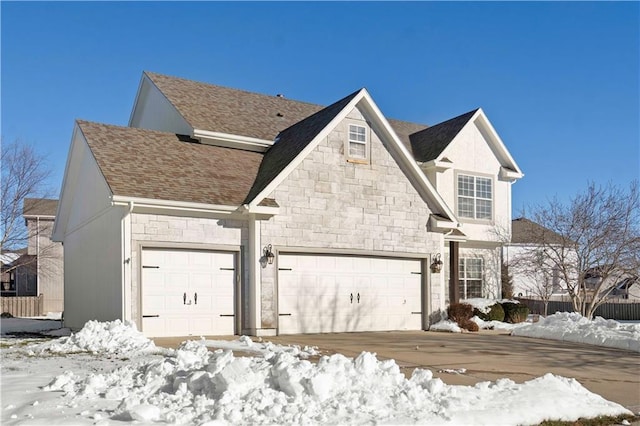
x=509, y=174
x=182, y=208
x=228, y=140
x=437, y=165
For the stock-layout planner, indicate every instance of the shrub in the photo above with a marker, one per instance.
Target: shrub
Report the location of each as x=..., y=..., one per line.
x=459, y=312
x=496, y=313
x=515, y=312
x=6, y=315
x=469, y=325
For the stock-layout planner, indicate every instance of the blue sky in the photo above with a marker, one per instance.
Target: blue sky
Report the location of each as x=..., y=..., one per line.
x=559, y=81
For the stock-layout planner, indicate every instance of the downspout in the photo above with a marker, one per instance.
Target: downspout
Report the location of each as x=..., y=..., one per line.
x=126, y=262
x=38, y=256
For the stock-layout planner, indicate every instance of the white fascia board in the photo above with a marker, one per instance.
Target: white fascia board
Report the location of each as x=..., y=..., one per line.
x=441, y=224
x=58, y=232
x=510, y=175
x=438, y=165
x=498, y=143
x=229, y=140
x=305, y=152
x=137, y=202
x=409, y=160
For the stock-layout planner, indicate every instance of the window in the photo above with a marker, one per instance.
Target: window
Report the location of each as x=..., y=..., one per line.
x=475, y=195
x=357, y=142
x=471, y=273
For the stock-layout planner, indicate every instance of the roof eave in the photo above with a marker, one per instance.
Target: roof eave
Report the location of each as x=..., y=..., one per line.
x=228, y=140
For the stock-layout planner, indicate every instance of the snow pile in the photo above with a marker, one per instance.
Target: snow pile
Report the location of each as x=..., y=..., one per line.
x=573, y=327
x=446, y=325
x=483, y=305
x=497, y=325
x=196, y=386
x=115, y=337
x=27, y=325
x=245, y=344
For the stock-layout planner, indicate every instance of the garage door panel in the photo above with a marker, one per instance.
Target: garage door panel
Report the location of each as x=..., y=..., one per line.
x=317, y=291
x=171, y=275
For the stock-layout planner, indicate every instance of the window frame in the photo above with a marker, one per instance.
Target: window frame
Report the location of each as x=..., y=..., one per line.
x=464, y=278
x=366, y=143
x=475, y=198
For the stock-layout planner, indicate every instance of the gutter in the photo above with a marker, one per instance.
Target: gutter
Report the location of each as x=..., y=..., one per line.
x=232, y=141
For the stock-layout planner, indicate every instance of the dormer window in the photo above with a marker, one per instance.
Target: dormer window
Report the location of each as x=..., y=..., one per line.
x=358, y=142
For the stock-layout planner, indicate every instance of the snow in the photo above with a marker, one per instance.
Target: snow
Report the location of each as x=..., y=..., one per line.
x=110, y=373
x=27, y=325
x=483, y=305
x=497, y=325
x=573, y=327
x=446, y=325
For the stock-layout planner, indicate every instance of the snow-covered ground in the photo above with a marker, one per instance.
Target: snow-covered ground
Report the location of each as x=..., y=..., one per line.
x=572, y=327
x=108, y=373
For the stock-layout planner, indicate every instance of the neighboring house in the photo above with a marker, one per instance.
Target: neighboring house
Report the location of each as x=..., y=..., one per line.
x=38, y=269
x=17, y=279
x=621, y=285
x=532, y=271
x=219, y=211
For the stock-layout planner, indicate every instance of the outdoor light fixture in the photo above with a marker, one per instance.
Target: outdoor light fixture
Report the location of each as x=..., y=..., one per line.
x=436, y=265
x=268, y=254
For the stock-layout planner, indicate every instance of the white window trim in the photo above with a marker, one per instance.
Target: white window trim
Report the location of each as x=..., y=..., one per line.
x=463, y=280
x=366, y=144
x=475, y=198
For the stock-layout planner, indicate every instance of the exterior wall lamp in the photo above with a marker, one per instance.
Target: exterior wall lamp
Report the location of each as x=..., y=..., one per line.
x=436, y=265
x=268, y=254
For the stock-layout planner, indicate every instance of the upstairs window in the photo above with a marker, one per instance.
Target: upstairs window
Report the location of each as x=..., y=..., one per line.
x=357, y=142
x=475, y=197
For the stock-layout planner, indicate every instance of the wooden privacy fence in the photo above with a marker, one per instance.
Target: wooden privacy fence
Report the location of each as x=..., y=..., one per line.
x=26, y=306
x=617, y=311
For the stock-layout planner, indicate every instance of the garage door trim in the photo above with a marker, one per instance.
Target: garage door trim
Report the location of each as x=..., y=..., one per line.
x=425, y=282
x=236, y=250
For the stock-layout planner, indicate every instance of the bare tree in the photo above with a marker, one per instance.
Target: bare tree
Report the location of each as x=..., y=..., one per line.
x=596, y=233
x=25, y=174
x=537, y=272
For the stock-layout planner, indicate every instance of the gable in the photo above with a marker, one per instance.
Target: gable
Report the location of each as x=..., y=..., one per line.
x=335, y=114
x=336, y=203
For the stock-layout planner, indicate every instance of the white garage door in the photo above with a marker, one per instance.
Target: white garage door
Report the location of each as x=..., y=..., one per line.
x=320, y=294
x=187, y=292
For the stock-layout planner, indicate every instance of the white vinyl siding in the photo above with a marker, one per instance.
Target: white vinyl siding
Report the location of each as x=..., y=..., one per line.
x=471, y=277
x=475, y=197
x=357, y=142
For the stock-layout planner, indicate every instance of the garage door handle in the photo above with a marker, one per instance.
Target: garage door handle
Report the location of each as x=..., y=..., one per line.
x=227, y=315
x=151, y=316
x=184, y=299
x=284, y=315
x=195, y=298
x=351, y=297
x=358, y=297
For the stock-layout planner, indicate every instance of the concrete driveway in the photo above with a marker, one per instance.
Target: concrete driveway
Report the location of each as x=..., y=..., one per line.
x=486, y=355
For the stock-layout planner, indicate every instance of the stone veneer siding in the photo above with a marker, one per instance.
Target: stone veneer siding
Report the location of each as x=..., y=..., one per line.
x=184, y=230
x=329, y=203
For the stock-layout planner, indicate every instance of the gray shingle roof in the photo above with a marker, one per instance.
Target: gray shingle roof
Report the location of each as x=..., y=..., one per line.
x=429, y=143
x=157, y=165
x=525, y=231
x=39, y=207
x=226, y=110
x=292, y=141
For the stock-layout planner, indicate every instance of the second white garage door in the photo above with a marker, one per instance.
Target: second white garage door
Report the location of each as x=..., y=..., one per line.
x=187, y=292
x=321, y=293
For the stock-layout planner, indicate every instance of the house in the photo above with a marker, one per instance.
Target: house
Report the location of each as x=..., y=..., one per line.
x=621, y=285
x=220, y=211
x=533, y=272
